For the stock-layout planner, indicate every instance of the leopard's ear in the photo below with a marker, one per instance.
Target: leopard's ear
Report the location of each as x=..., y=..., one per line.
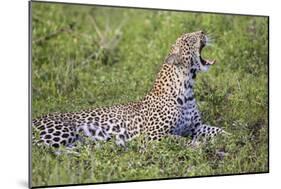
x=172, y=59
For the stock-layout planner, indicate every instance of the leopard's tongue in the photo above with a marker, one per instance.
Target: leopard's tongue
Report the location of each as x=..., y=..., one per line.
x=207, y=62
x=210, y=62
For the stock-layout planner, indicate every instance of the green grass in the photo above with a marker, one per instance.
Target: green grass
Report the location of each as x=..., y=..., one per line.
x=86, y=56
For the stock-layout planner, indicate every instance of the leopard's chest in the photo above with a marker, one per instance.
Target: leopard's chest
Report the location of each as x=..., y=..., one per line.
x=184, y=123
x=186, y=113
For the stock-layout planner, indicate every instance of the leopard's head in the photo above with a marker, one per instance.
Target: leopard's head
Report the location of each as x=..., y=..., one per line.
x=187, y=51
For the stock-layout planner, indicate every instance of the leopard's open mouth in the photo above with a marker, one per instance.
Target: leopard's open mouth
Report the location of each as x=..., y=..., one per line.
x=205, y=61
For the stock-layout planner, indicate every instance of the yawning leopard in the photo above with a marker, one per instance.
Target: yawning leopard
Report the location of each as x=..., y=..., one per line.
x=168, y=109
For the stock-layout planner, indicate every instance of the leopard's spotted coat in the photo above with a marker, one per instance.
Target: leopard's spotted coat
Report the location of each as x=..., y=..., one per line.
x=168, y=109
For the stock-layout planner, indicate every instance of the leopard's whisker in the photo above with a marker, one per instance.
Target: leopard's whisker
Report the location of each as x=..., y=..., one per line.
x=210, y=41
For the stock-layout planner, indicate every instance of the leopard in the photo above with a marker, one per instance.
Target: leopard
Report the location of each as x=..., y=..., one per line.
x=168, y=109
